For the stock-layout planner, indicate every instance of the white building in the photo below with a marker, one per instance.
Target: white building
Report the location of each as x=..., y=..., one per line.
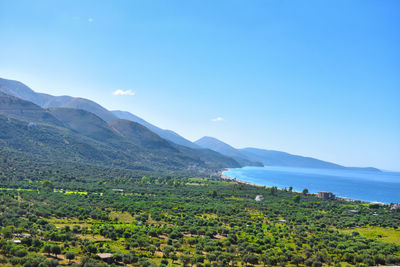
x=395, y=206
x=259, y=198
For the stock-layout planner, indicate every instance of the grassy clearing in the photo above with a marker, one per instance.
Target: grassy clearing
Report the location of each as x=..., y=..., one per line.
x=124, y=217
x=15, y=189
x=195, y=184
x=379, y=233
x=96, y=238
x=64, y=220
x=71, y=222
x=117, y=246
x=209, y=216
x=235, y=198
x=197, y=179
x=255, y=213
x=68, y=192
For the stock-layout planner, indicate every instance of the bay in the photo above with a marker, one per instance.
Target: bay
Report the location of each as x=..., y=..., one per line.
x=373, y=186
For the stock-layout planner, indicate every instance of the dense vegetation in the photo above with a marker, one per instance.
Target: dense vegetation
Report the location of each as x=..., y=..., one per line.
x=168, y=220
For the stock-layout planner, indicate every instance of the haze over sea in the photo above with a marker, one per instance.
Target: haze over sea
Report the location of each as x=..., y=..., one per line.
x=355, y=184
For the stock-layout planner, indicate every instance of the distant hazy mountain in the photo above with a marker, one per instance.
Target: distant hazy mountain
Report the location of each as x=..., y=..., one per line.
x=278, y=158
x=167, y=134
x=20, y=90
x=227, y=150
x=246, y=156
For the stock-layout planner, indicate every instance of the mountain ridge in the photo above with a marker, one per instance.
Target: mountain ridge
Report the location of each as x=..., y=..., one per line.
x=20, y=90
x=44, y=108
x=166, y=134
x=80, y=136
x=227, y=150
x=272, y=157
x=279, y=158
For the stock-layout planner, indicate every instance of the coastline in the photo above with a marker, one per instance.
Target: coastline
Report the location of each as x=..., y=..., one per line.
x=231, y=179
x=340, y=198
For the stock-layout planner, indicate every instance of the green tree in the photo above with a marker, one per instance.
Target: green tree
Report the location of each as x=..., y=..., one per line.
x=273, y=190
x=250, y=259
x=70, y=256
x=174, y=257
x=168, y=250
x=264, y=259
x=47, y=249
x=46, y=184
x=213, y=193
x=185, y=259
x=145, y=180
x=56, y=250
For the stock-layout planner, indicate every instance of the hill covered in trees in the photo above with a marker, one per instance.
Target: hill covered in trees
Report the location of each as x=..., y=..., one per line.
x=20, y=90
x=80, y=137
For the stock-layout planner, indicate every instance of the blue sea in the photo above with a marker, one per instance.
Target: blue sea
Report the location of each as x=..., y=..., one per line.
x=355, y=184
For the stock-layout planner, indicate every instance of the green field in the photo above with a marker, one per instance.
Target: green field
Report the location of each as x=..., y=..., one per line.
x=376, y=232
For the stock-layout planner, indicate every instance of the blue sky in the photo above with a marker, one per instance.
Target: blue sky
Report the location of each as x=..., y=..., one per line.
x=316, y=78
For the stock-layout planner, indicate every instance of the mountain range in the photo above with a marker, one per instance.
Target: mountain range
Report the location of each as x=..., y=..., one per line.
x=265, y=157
x=255, y=156
x=73, y=135
x=78, y=129
x=227, y=150
x=20, y=90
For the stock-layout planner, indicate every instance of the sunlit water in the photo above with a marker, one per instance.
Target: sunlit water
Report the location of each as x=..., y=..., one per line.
x=355, y=184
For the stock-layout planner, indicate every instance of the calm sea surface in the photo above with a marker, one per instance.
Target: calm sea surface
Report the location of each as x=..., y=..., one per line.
x=356, y=184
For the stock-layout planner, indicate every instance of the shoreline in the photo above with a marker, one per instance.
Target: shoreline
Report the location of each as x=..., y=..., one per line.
x=228, y=178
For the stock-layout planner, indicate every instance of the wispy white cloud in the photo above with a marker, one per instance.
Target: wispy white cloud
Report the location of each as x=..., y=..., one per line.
x=90, y=20
x=217, y=119
x=122, y=92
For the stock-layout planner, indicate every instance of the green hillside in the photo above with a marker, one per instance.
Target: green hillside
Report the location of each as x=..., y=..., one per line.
x=71, y=135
